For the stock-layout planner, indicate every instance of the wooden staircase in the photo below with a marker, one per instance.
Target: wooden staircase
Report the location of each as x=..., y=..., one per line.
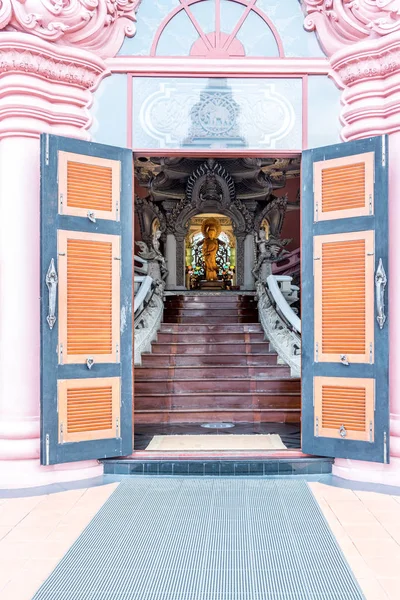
x=211, y=363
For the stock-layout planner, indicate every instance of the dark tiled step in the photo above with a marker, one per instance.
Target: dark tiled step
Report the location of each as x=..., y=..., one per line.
x=267, y=467
x=228, y=385
x=149, y=373
x=197, y=360
x=236, y=347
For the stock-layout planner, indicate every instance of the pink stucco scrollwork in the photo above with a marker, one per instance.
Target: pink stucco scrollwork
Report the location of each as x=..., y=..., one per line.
x=95, y=25
x=339, y=23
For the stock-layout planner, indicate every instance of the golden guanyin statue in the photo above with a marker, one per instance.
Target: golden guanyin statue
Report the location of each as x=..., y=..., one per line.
x=211, y=228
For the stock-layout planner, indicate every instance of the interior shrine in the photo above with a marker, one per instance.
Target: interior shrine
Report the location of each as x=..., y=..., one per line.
x=219, y=228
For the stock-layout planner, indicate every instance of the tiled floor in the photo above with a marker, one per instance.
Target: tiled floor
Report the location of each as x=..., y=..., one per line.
x=367, y=527
x=290, y=433
x=36, y=531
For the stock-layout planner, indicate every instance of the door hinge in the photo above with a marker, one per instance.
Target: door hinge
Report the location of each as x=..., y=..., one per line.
x=47, y=449
x=117, y=210
x=370, y=204
x=47, y=151
x=316, y=212
x=61, y=355
x=61, y=433
x=61, y=204
x=117, y=353
x=117, y=431
x=316, y=352
x=383, y=151
x=370, y=354
x=385, y=449
x=370, y=433
x=316, y=427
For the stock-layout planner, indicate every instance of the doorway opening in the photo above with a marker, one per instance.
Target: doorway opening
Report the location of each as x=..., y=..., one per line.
x=227, y=233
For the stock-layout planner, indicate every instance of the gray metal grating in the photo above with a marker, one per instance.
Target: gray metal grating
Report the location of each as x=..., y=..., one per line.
x=205, y=539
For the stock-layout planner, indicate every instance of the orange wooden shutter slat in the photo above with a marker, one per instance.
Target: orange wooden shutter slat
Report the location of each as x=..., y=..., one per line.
x=88, y=409
x=87, y=328
x=341, y=402
x=89, y=186
x=343, y=280
x=344, y=187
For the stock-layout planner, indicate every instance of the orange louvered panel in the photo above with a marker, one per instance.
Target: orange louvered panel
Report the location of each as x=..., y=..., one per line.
x=89, y=297
x=89, y=409
x=344, y=407
x=89, y=186
x=343, y=187
x=343, y=297
x=344, y=303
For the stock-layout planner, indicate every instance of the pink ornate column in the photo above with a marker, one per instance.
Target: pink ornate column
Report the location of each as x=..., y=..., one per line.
x=51, y=60
x=363, y=41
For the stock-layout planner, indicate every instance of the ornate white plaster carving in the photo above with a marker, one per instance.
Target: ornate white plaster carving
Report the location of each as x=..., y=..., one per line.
x=339, y=23
x=96, y=25
x=285, y=342
x=148, y=324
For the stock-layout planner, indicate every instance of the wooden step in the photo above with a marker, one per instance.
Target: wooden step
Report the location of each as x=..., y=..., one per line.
x=211, y=299
x=211, y=328
x=236, y=347
x=222, y=313
x=211, y=305
x=215, y=415
x=197, y=360
x=210, y=384
x=202, y=320
x=262, y=401
x=209, y=338
x=151, y=373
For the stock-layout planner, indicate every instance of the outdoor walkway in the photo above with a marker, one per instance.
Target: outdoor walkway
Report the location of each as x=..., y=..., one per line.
x=201, y=539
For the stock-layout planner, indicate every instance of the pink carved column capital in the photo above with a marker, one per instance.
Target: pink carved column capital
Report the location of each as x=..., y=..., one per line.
x=52, y=55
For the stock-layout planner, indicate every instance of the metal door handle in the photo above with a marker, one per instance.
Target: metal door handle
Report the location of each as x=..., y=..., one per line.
x=91, y=216
x=380, y=284
x=51, y=282
x=343, y=360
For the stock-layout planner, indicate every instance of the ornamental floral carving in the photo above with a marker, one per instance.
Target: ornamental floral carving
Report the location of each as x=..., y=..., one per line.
x=95, y=25
x=342, y=22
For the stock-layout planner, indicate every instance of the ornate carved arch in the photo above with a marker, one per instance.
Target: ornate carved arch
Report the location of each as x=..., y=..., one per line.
x=274, y=212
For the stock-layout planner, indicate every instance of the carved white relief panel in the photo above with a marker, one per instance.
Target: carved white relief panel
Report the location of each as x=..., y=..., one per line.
x=217, y=113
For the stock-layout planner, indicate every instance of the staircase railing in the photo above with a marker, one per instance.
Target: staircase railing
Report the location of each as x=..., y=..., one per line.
x=288, y=265
x=148, y=309
x=281, y=324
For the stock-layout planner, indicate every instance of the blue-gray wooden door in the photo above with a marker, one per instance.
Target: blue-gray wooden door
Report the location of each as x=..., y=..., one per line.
x=345, y=312
x=86, y=300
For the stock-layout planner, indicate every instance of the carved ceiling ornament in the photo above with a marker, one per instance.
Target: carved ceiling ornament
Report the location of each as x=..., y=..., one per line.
x=98, y=26
x=210, y=188
x=340, y=23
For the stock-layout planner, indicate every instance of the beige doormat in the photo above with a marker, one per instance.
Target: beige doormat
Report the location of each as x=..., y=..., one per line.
x=216, y=442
